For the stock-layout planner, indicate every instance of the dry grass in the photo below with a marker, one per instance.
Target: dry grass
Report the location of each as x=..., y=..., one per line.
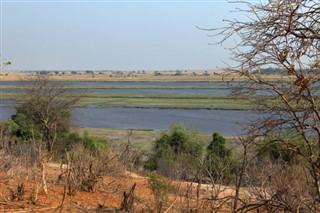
x=148, y=76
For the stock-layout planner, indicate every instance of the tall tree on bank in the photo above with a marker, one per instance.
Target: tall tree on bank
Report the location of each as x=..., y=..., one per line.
x=46, y=106
x=43, y=116
x=284, y=35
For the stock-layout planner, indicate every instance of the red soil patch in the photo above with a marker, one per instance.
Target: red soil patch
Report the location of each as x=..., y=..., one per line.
x=110, y=196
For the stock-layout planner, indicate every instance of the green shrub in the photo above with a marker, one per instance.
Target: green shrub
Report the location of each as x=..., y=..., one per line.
x=93, y=143
x=218, y=147
x=283, y=148
x=27, y=124
x=22, y=128
x=176, y=153
x=89, y=142
x=72, y=139
x=218, y=160
x=12, y=130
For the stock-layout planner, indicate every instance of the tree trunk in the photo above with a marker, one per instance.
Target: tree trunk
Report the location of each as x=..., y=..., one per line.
x=43, y=177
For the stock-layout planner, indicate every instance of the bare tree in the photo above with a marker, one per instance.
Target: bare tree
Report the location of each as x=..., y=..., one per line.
x=284, y=35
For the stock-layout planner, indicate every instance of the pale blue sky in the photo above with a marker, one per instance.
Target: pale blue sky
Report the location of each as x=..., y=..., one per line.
x=74, y=35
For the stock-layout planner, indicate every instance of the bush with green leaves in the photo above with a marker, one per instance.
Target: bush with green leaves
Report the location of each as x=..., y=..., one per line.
x=284, y=147
x=275, y=151
x=176, y=153
x=9, y=131
x=218, y=161
x=32, y=124
x=22, y=128
x=73, y=139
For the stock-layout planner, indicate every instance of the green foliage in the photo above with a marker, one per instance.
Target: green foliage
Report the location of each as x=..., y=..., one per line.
x=179, y=141
x=25, y=125
x=43, y=112
x=21, y=128
x=283, y=148
x=93, y=143
x=27, y=122
x=176, y=153
x=11, y=124
x=218, y=146
x=72, y=140
x=218, y=160
x=275, y=151
x=89, y=142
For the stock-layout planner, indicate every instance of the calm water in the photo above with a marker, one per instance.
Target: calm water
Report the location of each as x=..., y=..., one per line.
x=206, y=121
x=6, y=112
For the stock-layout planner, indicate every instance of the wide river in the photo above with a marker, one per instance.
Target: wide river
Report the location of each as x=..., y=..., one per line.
x=226, y=122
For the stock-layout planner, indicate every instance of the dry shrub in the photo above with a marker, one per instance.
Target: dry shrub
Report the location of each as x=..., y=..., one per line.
x=278, y=186
x=19, y=159
x=130, y=155
x=161, y=187
x=18, y=193
x=86, y=169
x=128, y=200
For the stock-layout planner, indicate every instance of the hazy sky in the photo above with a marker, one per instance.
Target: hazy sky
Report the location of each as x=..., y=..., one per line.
x=113, y=35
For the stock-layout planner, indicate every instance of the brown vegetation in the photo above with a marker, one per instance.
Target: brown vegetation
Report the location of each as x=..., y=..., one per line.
x=111, y=194
x=148, y=76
